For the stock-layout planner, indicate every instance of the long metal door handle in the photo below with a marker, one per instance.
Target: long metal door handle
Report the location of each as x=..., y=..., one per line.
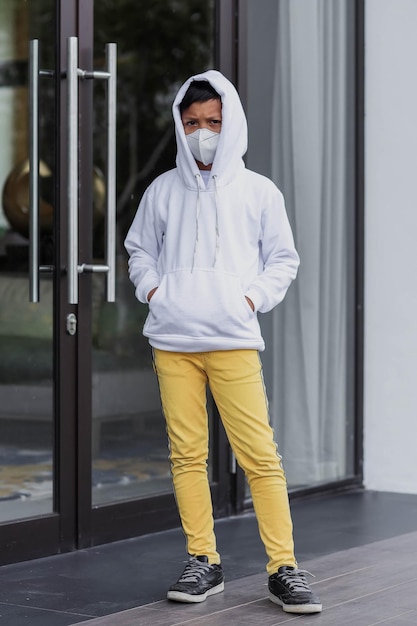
x=111, y=68
x=74, y=268
x=34, y=170
x=72, y=174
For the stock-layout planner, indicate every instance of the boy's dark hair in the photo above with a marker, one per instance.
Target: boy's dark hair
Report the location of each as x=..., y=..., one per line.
x=198, y=91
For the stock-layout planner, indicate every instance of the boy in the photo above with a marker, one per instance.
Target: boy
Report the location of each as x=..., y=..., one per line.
x=210, y=246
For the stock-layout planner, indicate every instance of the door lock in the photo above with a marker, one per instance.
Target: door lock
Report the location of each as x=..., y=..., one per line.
x=71, y=324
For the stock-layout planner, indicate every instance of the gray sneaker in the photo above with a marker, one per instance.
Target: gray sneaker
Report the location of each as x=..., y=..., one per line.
x=198, y=581
x=289, y=588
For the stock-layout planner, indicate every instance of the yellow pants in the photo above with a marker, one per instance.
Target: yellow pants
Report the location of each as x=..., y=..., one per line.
x=236, y=382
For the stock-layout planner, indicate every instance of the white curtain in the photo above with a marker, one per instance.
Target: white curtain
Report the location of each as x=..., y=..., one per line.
x=310, y=131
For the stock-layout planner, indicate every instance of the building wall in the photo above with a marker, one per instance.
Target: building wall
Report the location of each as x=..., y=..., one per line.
x=390, y=410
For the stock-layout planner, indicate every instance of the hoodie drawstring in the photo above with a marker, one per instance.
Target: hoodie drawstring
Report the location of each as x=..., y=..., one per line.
x=197, y=217
x=216, y=201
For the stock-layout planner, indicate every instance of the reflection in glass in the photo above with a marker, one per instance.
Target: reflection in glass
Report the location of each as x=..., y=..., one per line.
x=26, y=393
x=160, y=43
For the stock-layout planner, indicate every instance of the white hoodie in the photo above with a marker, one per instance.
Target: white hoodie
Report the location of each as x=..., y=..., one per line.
x=207, y=247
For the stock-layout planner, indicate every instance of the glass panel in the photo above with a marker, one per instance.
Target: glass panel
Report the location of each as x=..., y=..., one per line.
x=301, y=119
x=25, y=329
x=160, y=44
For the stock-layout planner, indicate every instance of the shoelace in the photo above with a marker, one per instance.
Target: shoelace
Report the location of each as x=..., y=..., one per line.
x=295, y=579
x=193, y=571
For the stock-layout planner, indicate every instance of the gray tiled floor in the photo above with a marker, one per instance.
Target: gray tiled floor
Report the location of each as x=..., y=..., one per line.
x=363, y=586
x=114, y=580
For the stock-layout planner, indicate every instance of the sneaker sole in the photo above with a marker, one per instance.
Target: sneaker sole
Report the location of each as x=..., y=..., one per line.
x=296, y=608
x=180, y=596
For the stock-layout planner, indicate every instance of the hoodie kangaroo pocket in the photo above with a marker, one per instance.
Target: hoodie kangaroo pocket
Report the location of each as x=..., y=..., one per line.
x=202, y=303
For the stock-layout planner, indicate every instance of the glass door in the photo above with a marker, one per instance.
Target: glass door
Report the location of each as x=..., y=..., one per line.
x=40, y=407
x=26, y=329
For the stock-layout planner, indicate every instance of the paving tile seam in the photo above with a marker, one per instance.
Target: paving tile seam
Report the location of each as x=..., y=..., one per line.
x=215, y=612
x=101, y=619
x=348, y=573
x=388, y=619
x=41, y=609
x=373, y=593
x=200, y=619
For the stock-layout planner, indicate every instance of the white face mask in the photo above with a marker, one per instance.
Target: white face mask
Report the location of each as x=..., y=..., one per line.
x=203, y=145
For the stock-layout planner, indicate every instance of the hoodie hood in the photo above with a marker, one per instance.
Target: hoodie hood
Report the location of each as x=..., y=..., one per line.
x=233, y=140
